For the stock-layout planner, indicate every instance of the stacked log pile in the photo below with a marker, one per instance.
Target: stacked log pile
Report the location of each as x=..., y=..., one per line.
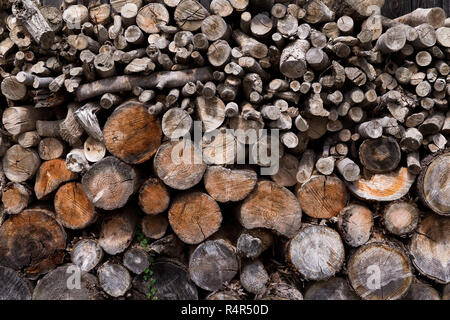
x=99, y=96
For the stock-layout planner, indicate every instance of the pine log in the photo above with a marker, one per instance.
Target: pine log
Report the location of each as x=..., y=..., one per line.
x=373, y=278
x=40, y=251
x=50, y=176
x=154, y=197
x=154, y=226
x=20, y=164
x=212, y=264
x=273, y=207
x=194, y=207
x=317, y=252
x=322, y=196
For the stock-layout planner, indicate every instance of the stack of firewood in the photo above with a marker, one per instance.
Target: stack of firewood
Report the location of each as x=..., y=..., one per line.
x=98, y=97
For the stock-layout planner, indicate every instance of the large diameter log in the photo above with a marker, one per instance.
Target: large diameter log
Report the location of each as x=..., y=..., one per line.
x=224, y=184
x=154, y=197
x=179, y=164
x=162, y=79
x=434, y=182
x=172, y=281
x=194, y=217
x=189, y=15
x=131, y=133
x=273, y=207
x=355, y=224
x=21, y=119
x=50, y=176
x=335, y=288
x=293, y=59
x=212, y=264
x=20, y=164
x=150, y=16
x=54, y=285
x=380, y=155
x=12, y=89
x=380, y=271
x=32, y=241
x=117, y=230
x=109, y=183
x=31, y=17
x=73, y=208
x=317, y=252
x=429, y=248
x=14, y=287
x=322, y=196
x=433, y=16
x=383, y=186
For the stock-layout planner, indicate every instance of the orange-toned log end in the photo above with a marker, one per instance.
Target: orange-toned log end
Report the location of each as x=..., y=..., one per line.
x=322, y=196
x=73, y=208
x=383, y=186
x=154, y=227
x=131, y=133
x=15, y=197
x=33, y=241
x=194, y=217
x=429, y=248
x=355, y=224
x=380, y=271
x=225, y=184
x=154, y=197
x=434, y=182
x=50, y=176
x=273, y=207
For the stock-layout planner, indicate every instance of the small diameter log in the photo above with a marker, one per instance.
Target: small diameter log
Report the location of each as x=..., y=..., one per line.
x=335, y=288
x=94, y=150
x=131, y=133
x=325, y=165
x=428, y=248
x=69, y=129
x=86, y=117
x=76, y=161
x=54, y=285
x=154, y=227
x=154, y=197
x=194, y=217
x=219, y=53
x=50, y=148
x=250, y=46
x=426, y=36
x=348, y=169
x=15, y=197
x=322, y=196
x=433, y=182
x=383, y=186
x=252, y=243
x=176, y=123
x=75, y=15
x=136, y=260
x=172, y=281
x=393, y=40
x=355, y=224
x=86, y=254
x=224, y=184
x=117, y=230
x=73, y=208
x=293, y=59
x=214, y=28
x=374, y=279
x=28, y=139
x=401, y=218
x=305, y=166
x=370, y=129
x=380, y=155
x=273, y=207
x=14, y=287
x=29, y=14
x=210, y=111
x=109, y=183
x=179, y=164
x=212, y=264
x=50, y=176
x=40, y=251
x=317, y=11
x=17, y=120
x=412, y=140
x=254, y=277
x=317, y=252
x=433, y=16
x=114, y=279
x=20, y=164
x=160, y=80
